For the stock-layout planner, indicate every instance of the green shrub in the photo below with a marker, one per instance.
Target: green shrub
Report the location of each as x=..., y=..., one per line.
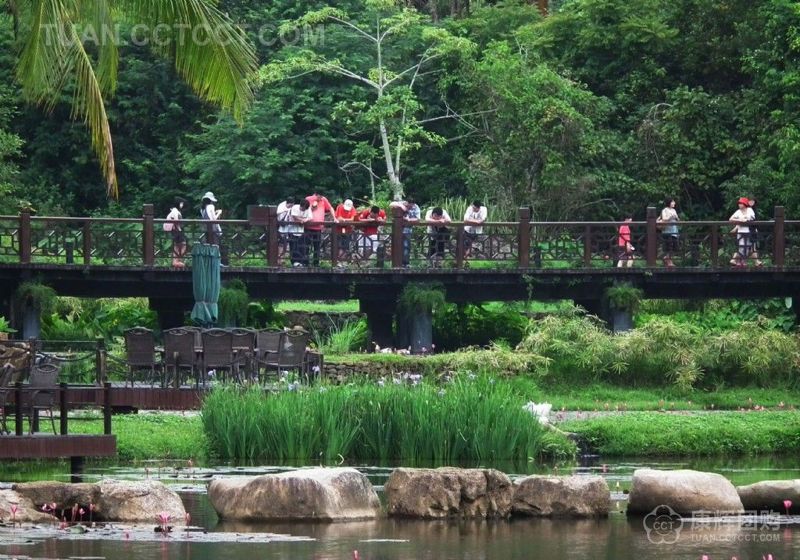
x=350, y=336
x=233, y=304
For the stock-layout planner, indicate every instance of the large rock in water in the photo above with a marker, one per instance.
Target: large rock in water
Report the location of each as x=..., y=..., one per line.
x=561, y=496
x=770, y=495
x=113, y=500
x=138, y=501
x=26, y=509
x=448, y=492
x=320, y=494
x=685, y=491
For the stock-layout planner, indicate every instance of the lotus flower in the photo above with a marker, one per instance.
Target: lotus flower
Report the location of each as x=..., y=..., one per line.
x=163, y=518
x=787, y=504
x=81, y=511
x=13, y=509
x=188, y=518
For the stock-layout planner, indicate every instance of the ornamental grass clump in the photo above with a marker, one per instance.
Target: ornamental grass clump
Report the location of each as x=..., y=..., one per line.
x=471, y=418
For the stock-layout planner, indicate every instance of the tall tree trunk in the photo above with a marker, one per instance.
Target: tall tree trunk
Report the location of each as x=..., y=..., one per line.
x=394, y=180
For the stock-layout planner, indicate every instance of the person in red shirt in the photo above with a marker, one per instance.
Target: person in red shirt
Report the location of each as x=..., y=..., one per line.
x=345, y=213
x=319, y=207
x=373, y=219
x=624, y=244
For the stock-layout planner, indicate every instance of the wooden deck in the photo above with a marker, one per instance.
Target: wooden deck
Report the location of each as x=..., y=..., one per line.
x=48, y=446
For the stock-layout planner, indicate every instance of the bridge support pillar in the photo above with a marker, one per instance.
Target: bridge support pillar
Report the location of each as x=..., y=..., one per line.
x=617, y=320
x=31, y=322
x=380, y=316
x=170, y=312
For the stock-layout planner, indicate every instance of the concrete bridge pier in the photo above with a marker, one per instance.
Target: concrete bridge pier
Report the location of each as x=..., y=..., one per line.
x=380, y=318
x=617, y=320
x=170, y=311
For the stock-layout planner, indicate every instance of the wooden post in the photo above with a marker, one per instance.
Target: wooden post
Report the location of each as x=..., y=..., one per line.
x=779, y=237
x=148, y=234
x=714, y=246
x=651, y=250
x=18, y=408
x=543, y=6
x=272, y=236
x=69, y=252
x=87, y=243
x=334, y=244
x=460, y=246
x=524, y=237
x=25, y=236
x=587, y=246
x=63, y=408
x=398, y=223
x=100, y=361
x=107, y=408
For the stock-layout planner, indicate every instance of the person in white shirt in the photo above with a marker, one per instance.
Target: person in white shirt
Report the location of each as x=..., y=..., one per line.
x=283, y=214
x=214, y=233
x=473, y=228
x=178, y=237
x=744, y=243
x=299, y=216
x=438, y=234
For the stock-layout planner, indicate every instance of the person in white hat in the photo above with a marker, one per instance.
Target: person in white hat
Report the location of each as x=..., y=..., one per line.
x=345, y=213
x=209, y=212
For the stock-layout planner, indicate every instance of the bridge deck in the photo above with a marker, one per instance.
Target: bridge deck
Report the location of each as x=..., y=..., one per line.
x=43, y=446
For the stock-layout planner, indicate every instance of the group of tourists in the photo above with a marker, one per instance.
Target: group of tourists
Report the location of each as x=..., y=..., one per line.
x=667, y=222
x=302, y=222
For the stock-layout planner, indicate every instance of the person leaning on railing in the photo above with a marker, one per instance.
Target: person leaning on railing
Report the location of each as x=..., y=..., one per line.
x=668, y=222
x=438, y=234
x=411, y=215
x=473, y=228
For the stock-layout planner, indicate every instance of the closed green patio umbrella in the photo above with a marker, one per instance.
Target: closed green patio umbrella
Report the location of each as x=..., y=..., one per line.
x=205, y=283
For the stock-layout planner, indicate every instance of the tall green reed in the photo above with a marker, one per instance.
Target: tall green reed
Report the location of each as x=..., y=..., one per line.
x=468, y=419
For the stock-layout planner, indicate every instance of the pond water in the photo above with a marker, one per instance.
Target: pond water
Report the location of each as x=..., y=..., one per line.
x=616, y=538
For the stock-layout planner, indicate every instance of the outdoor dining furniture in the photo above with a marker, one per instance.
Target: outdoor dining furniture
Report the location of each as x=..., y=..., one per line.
x=268, y=343
x=244, y=344
x=140, y=349
x=180, y=353
x=41, y=394
x=218, y=353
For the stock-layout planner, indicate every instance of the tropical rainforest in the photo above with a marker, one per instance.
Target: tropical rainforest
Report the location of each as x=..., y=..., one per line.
x=584, y=110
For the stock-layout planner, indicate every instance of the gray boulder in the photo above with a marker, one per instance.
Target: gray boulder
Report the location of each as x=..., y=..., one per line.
x=685, y=491
x=138, y=501
x=561, y=496
x=448, y=492
x=770, y=495
x=319, y=494
x=113, y=500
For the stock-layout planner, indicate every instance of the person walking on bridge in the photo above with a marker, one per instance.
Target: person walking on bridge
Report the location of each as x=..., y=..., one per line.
x=668, y=222
x=209, y=212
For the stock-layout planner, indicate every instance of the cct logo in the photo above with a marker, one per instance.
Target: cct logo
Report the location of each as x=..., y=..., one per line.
x=663, y=525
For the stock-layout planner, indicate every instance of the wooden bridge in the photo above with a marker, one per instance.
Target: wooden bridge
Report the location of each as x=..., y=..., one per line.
x=116, y=257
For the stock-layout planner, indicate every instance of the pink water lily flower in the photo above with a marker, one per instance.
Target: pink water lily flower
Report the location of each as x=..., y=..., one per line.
x=787, y=504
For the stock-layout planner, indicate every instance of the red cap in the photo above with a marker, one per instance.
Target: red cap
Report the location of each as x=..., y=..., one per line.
x=744, y=201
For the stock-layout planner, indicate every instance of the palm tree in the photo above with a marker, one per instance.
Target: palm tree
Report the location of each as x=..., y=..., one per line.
x=74, y=44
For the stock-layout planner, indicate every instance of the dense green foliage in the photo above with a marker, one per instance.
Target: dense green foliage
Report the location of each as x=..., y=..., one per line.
x=601, y=107
x=664, y=352
x=468, y=419
x=659, y=434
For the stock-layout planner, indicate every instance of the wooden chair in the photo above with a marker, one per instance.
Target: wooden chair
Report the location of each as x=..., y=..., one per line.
x=293, y=356
x=140, y=348
x=42, y=393
x=268, y=344
x=244, y=345
x=218, y=353
x=179, y=354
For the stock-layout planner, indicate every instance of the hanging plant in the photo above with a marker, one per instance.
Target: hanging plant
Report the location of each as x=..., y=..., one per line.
x=624, y=297
x=40, y=297
x=421, y=298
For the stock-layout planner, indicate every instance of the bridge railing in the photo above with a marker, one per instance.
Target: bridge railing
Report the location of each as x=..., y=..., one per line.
x=257, y=242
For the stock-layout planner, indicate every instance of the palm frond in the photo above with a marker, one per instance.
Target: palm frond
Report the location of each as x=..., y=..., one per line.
x=88, y=104
x=98, y=17
x=212, y=54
